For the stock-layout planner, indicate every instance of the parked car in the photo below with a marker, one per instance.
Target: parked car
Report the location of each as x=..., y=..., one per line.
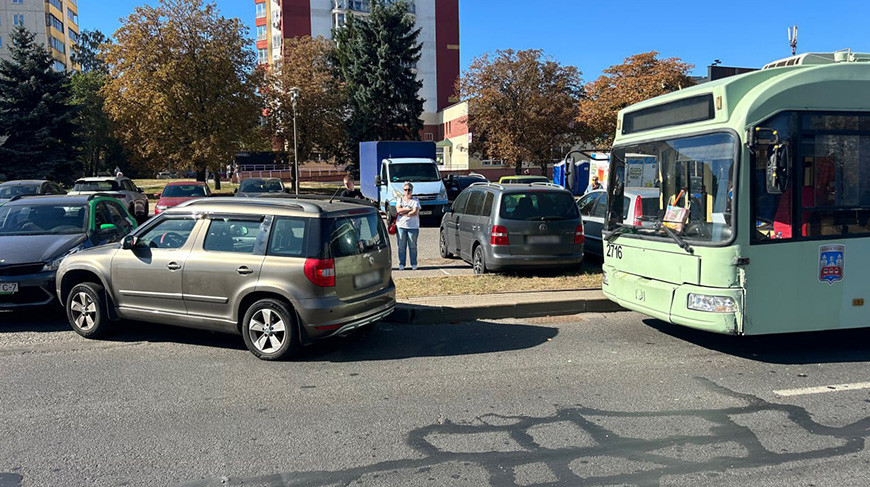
x=496, y=227
x=176, y=193
x=257, y=186
x=523, y=179
x=455, y=183
x=641, y=203
x=28, y=187
x=38, y=232
x=279, y=271
x=166, y=175
x=134, y=200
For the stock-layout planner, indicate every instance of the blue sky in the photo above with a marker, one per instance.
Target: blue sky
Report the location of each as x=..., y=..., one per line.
x=595, y=35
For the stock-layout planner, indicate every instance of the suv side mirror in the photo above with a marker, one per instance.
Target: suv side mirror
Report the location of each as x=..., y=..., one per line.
x=140, y=190
x=129, y=242
x=157, y=196
x=777, y=169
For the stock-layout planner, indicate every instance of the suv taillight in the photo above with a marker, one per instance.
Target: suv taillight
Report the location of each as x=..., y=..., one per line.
x=578, y=234
x=638, y=211
x=499, y=235
x=321, y=272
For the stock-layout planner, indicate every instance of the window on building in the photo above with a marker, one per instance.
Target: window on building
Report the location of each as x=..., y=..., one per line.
x=18, y=1
x=59, y=66
x=57, y=3
x=261, y=32
x=1, y=42
x=428, y=136
x=53, y=21
x=261, y=10
x=262, y=56
x=73, y=35
x=18, y=19
x=57, y=44
x=74, y=17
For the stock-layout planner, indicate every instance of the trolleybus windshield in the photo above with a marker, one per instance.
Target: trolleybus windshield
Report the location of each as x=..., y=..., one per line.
x=695, y=178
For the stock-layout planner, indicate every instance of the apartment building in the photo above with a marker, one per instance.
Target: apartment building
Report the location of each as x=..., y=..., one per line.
x=55, y=23
x=438, y=21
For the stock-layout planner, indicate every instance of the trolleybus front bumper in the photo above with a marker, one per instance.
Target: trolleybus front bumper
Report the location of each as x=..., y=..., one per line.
x=670, y=302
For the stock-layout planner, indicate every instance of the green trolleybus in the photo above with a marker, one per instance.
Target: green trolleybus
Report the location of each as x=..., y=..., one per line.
x=763, y=216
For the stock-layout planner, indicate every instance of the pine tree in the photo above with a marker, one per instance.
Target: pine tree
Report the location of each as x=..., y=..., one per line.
x=376, y=57
x=35, y=114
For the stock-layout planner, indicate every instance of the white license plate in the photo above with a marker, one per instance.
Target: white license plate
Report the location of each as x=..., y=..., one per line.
x=425, y=212
x=367, y=279
x=8, y=287
x=542, y=239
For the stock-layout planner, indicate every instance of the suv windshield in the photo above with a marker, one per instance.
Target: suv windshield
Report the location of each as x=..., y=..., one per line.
x=45, y=219
x=695, y=178
x=96, y=186
x=538, y=205
x=414, y=172
x=183, y=191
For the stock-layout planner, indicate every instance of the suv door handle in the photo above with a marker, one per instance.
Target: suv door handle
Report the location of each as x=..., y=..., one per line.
x=173, y=266
x=245, y=270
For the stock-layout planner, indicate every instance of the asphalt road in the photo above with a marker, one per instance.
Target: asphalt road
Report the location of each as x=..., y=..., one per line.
x=592, y=399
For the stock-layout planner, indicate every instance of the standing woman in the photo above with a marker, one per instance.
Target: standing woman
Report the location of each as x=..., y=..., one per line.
x=408, y=225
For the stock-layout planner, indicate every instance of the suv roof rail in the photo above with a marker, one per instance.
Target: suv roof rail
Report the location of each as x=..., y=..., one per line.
x=343, y=199
x=266, y=199
x=541, y=183
x=487, y=183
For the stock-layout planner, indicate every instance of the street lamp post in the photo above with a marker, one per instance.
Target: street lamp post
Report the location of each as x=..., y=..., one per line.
x=294, y=94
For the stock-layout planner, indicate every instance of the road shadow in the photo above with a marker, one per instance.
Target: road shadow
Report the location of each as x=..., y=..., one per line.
x=385, y=341
x=787, y=349
x=392, y=341
x=43, y=319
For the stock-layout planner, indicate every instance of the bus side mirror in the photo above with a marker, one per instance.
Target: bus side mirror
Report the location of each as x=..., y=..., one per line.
x=777, y=169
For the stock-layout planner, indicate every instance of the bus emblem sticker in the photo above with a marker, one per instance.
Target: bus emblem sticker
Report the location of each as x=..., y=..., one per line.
x=832, y=262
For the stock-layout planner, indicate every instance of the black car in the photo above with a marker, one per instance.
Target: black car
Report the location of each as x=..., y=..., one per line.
x=38, y=232
x=456, y=183
x=260, y=186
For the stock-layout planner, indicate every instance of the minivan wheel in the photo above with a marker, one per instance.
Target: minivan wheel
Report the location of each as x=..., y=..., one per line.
x=478, y=262
x=85, y=310
x=267, y=329
x=445, y=254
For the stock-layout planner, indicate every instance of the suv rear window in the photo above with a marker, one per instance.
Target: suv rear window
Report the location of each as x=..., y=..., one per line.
x=353, y=235
x=538, y=205
x=96, y=186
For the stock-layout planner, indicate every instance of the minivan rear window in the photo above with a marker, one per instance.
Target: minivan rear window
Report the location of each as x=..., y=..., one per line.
x=538, y=205
x=353, y=235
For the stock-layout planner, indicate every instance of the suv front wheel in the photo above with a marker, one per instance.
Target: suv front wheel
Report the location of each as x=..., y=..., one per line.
x=85, y=310
x=267, y=329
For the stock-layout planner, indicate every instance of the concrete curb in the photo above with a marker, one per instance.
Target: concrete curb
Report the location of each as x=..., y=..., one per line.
x=413, y=314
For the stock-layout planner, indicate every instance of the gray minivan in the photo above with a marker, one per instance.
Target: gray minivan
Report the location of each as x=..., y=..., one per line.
x=517, y=226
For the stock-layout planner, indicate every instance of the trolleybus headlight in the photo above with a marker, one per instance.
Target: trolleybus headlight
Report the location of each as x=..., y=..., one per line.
x=714, y=304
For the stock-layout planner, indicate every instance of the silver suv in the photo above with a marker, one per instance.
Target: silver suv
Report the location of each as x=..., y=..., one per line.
x=279, y=271
x=132, y=196
x=513, y=226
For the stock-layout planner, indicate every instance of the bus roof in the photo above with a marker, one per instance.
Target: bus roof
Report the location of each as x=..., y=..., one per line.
x=820, y=81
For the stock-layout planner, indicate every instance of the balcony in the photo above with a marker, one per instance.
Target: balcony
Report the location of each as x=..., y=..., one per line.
x=361, y=6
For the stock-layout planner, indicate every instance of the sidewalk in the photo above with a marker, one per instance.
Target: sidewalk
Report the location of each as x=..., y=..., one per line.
x=526, y=304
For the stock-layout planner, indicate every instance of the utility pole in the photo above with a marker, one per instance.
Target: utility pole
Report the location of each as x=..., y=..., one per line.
x=294, y=94
x=792, y=39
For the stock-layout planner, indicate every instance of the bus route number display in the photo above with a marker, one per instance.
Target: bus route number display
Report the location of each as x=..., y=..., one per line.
x=614, y=251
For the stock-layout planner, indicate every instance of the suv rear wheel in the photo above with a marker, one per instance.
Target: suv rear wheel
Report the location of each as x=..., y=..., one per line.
x=85, y=310
x=268, y=329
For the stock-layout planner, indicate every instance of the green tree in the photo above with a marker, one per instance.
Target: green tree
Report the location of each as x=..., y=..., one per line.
x=98, y=149
x=182, y=86
x=521, y=105
x=35, y=113
x=376, y=57
x=638, y=78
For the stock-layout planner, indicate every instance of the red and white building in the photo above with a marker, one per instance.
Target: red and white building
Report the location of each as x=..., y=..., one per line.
x=438, y=21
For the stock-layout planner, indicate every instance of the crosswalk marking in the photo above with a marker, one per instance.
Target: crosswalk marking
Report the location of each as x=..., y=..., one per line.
x=820, y=389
